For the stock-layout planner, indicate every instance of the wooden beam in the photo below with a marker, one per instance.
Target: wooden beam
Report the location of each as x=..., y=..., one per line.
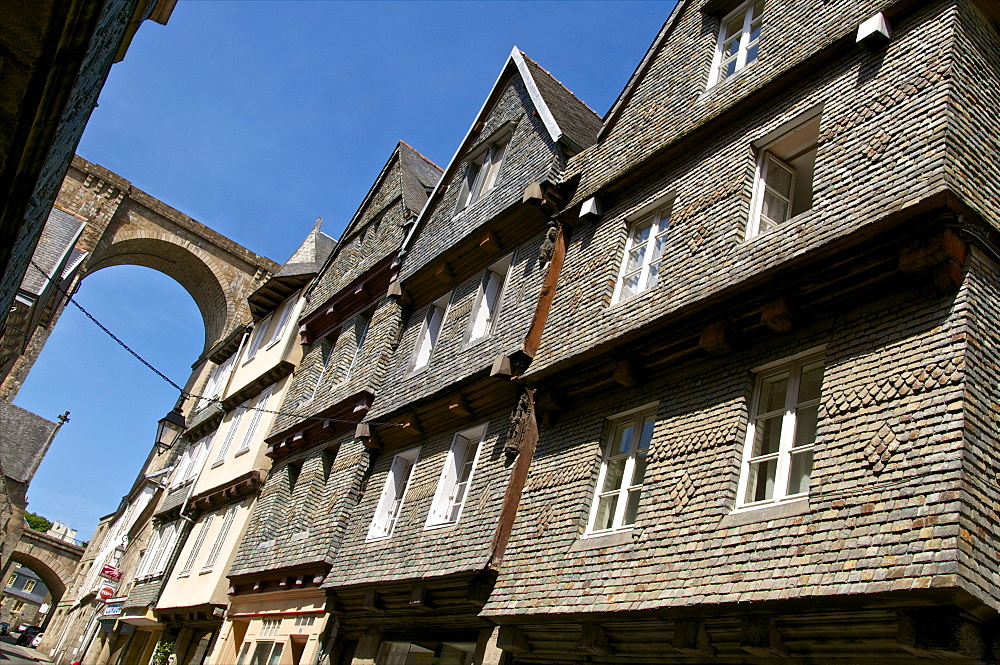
x=513, y=640
x=443, y=273
x=502, y=368
x=458, y=406
x=395, y=290
x=778, y=315
x=718, y=338
x=627, y=373
x=940, y=247
x=940, y=632
x=420, y=598
x=490, y=243
x=760, y=637
x=691, y=638
x=412, y=424
x=479, y=591
x=594, y=640
x=372, y=602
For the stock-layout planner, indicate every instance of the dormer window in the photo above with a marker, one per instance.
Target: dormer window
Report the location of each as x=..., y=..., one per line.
x=482, y=170
x=739, y=41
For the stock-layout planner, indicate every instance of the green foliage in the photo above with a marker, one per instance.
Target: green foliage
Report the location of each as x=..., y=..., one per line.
x=37, y=522
x=162, y=653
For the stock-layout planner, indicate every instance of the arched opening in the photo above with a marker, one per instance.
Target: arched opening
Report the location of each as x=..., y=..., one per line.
x=114, y=401
x=36, y=605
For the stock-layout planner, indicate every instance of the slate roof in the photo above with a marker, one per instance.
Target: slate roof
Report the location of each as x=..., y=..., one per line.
x=57, y=239
x=579, y=123
x=419, y=176
x=310, y=256
x=24, y=440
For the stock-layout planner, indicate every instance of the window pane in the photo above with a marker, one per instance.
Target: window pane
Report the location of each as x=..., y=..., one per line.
x=635, y=257
x=758, y=9
x=752, y=52
x=772, y=393
x=632, y=507
x=606, y=512
x=766, y=436
x=778, y=178
x=624, y=441
x=654, y=276
x=812, y=380
x=658, y=246
x=639, y=473
x=735, y=25
x=647, y=432
x=727, y=69
x=760, y=483
x=276, y=654
x=798, y=475
x=613, y=476
x=805, y=425
x=630, y=286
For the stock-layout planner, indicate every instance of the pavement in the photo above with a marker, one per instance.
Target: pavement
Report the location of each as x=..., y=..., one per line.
x=11, y=654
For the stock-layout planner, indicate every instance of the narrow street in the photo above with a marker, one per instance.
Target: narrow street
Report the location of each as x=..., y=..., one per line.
x=10, y=654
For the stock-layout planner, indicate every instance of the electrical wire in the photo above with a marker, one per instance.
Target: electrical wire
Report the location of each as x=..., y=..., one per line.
x=185, y=394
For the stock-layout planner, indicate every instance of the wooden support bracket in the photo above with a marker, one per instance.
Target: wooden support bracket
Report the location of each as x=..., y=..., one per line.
x=940, y=632
x=593, y=639
x=627, y=373
x=691, y=638
x=718, y=338
x=778, y=315
x=372, y=602
x=412, y=425
x=490, y=243
x=939, y=257
x=420, y=598
x=458, y=406
x=395, y=290
x=502, y=368
x=513, y=640
x=760, y=637
x=443, y=273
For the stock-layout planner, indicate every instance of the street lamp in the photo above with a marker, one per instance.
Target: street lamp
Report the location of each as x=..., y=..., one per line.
x=168, y=430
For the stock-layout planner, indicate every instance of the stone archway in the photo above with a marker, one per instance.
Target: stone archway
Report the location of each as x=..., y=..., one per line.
x=122, y=225
x=52, y=559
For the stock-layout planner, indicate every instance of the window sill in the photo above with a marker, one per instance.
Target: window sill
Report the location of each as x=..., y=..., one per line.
x=771, y=511
x=721, y=85
x=184, y=574
x=637, y=297
x=205, y=571
x=218, y=463
x=417, y=372
x=241, y=452
x=445, y=526
x=602, y=540
x=797, y=219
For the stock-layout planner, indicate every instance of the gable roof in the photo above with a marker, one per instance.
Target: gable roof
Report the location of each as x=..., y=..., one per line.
x=24, y=440
x=611, y=117
x=567, y=119
x=301, y=266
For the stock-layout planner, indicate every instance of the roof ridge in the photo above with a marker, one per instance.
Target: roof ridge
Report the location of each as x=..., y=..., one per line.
x=560, y=83
x=421, y=155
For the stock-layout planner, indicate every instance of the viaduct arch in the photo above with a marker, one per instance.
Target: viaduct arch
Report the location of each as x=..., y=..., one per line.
x=122, y=225
x=52, y=559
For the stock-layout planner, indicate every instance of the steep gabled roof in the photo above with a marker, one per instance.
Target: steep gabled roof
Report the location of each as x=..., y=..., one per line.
x=568, y=120
x=419, y=175
x=24, y=440
x=302, y=265
x=640, y=71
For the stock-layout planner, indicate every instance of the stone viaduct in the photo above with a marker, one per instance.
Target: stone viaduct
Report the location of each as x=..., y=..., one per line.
x=126, y=226
x=52, y=559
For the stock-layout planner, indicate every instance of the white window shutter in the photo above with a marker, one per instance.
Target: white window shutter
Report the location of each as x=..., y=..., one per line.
x=255, y=419
x=381, y=523
x=220, y=539
x=234, y=425
x=198, y=542
x=283, y=317
x=258, y=336
x=445, y=492
x=487, y=303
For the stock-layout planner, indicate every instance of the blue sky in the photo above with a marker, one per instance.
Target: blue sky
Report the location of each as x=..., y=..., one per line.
x=255, y=118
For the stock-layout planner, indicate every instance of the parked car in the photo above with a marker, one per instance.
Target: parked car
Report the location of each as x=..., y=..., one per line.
x=4, y=628
x=21, y=627
x=27, y=635
x=37, y=640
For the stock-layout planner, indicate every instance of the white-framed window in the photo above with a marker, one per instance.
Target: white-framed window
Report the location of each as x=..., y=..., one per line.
x=234, y=426
x=183, y=464
x=783, y=180
x=777, y=455
x=429, y=331
x=623, y=471
x=29, y=586
x=739, y=41
x=390, y=502
x=257, y=337
x=305, y=620
x=456, y=476
x=644, y=247
x=269, y=627
x=12, y=579
x=17, y=606
x=283, y=316
x=255, y=418
x=487, y=304
x=206, y=524
x=216, y=382
x=157, y=555
x=220, y=538
x=199, y=455
x=264, y=653
x=360, y=324
x=482, y=170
